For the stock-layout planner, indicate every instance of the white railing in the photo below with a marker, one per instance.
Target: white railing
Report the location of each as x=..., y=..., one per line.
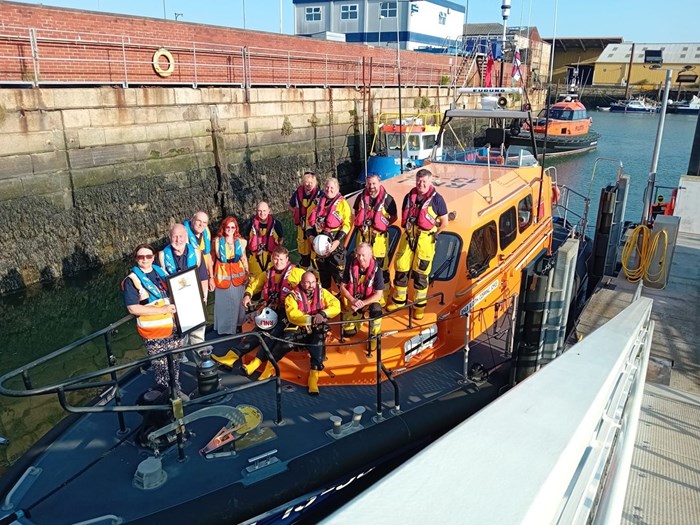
x=556, y=449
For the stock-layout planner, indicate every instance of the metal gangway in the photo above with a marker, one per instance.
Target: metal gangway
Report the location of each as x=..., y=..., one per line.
x=557, y=448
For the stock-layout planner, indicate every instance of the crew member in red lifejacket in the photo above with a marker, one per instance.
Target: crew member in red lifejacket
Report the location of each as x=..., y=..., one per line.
x=179, y=256
x=375, y=210
x=362, y=290
x=423, y=217
x=331, y=216
x=301, y=203
x=659, y=208
x=275, y=285
x=145, y=292
x=264, y=234
x=308, y=307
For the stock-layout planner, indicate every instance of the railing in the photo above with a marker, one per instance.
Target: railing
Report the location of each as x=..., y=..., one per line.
x=555, y=449
x=35, y=57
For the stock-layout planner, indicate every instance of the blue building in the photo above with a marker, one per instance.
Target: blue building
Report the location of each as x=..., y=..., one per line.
x=412, y=23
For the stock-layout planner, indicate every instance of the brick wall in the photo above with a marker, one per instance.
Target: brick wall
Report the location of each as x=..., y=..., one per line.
x=82, y=46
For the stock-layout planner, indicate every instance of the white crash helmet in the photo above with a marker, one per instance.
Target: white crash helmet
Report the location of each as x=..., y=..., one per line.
x=267, y=319
x=322, y=245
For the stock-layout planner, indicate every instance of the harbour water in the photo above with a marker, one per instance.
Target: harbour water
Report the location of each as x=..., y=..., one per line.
x=43, y=318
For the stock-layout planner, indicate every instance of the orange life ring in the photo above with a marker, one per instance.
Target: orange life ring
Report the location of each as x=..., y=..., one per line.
x=160, y=53
x=555, y=194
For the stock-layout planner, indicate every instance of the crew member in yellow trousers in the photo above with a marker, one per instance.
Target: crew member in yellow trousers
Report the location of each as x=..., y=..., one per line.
x=362, y=290
x=375, y=210
x=423, y=217
x=308, y=308
x=302, y=202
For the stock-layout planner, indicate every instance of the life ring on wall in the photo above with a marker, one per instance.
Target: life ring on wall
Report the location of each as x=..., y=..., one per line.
x=163, y=53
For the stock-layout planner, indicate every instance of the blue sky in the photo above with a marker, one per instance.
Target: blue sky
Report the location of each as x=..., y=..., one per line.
x=648, y=21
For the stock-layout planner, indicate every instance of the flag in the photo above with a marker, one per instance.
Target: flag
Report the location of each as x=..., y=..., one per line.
x=489, y=72
x=515, y=73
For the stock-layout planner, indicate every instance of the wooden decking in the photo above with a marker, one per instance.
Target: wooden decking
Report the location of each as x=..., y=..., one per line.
x=664, y=484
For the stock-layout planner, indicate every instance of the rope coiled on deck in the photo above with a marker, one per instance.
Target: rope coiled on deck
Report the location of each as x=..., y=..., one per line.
x=641, y=244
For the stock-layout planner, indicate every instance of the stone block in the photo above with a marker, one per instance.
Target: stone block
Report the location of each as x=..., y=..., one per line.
x=45, y=184
x=156, y=132
x=22, y=143
x=222, y=95
x=145, y=116
x=233, y=125
x=179, y=164
x=199, y=128
x=11, y=189
x=202, y=144
x=146, y=150
x=205, y=160
x=125, y=135
x=72, y=138
x=234, y=111
x=117, y=97
x=158, y=96
x=178, y=130
x=185, y=96
x=131, y=170
x=51, y=161
x=76, y=118
x=90, y=177
x=170, y=114
x=15, y=166
x=27, y=99
x=115, y=154
x=90, y=137
x=264, y=124
x=76, y=98
x=80, y=158
x=313, y=94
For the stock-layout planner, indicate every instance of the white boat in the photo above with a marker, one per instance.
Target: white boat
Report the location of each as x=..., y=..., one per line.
x=635, y=105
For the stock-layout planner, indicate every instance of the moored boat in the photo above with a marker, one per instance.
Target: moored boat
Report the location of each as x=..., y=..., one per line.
x=566, y=131
x=685, y=107
x=635, y=105
x=134, y=456
x=401, y=143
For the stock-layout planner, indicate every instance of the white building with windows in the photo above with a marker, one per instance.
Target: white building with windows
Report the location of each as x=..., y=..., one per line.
x=413, y=23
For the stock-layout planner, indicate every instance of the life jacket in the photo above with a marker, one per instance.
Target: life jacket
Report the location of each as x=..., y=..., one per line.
x=228, y=270
x=309, y=307
x=156, y=326
x=167, y=258
x=421, y=216
x=259, y=241
x=205, y=240
x=361, y=290
x=302, y=205
x=325, y=216
x=373, y=216
x=277, y=292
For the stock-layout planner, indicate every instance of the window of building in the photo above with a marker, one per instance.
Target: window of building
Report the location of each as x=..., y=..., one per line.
x=388, y=9
x=524, y=213
x=313, y=14
x=446, y=259
x=348, y=12
x=682, y=55
x=482, y=249
x=685, y=49
x=507, y=227
x=442, y=18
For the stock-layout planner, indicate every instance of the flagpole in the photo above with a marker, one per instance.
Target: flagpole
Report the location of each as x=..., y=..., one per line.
x=505, y=12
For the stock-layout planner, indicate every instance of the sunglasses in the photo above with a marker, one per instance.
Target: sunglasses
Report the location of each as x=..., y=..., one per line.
x=144, y=257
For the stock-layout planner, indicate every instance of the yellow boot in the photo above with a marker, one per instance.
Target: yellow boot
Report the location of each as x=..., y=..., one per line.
x=252, y=366
x=268, y=371
x=420, y=304
x=228, y=360
x=313, y=382
x=398, y=299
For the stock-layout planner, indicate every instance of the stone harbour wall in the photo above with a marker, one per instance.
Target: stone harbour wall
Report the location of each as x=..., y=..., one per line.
x=88, y=173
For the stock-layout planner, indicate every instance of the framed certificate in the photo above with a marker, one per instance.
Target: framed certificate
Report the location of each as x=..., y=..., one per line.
x=186, y=295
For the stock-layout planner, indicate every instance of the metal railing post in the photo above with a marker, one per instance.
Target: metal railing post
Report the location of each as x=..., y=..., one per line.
x=111, y=361
x=35, y=54
x=194, y=60
x=126, y=75
x=289, y=69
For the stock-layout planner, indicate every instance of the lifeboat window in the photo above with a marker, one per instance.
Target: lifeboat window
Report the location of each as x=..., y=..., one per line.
x=447, y=251
x=414, y=142
x=524, y=213
x=482, y=249
x=428, y=141
x=506, y=227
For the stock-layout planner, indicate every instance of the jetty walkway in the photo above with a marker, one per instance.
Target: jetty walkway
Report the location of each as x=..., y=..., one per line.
x=664, y=482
